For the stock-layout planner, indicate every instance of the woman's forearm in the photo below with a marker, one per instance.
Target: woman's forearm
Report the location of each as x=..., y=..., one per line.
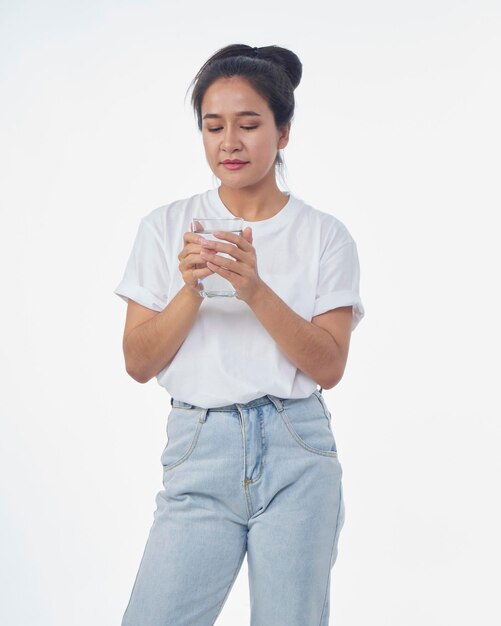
x=150, y=346
x=311, y=348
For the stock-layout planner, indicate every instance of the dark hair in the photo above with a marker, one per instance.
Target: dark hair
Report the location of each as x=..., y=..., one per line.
x=274, y=72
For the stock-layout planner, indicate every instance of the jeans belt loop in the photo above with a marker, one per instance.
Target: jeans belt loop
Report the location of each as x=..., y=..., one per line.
x=277, y=402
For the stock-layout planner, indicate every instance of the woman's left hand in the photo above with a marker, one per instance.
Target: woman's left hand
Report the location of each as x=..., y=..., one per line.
x=241, y=272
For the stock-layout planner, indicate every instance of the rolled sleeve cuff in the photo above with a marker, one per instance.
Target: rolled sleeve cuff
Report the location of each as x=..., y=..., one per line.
x=338, y=299
x=126, y=290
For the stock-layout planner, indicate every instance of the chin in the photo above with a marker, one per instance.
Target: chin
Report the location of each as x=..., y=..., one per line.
x=239, y=182
x=234, y=181
x=239, y=185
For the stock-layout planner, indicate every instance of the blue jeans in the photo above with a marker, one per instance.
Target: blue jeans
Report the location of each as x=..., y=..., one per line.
x=261, y=478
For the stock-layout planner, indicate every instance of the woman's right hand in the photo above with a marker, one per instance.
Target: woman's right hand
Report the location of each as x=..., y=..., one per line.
x=191, y=265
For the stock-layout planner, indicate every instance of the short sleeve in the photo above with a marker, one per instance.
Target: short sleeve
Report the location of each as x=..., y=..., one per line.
x=146, y=277
x=338, y=281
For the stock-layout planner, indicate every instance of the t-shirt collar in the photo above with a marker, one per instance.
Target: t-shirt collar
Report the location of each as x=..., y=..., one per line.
x=278, y=218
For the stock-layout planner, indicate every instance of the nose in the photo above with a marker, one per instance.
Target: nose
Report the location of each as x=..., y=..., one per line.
x=230, y=141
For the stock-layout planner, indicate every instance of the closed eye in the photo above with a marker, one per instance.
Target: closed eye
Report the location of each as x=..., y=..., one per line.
x=214, y=130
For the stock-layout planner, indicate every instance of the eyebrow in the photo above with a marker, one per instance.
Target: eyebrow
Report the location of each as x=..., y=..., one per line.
x=239, y=114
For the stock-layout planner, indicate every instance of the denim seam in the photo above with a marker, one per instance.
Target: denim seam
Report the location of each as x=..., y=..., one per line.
x=290, y=428
x=255, y=478
x=324, y=406
x=231, y=408
x=264, y=447
x=332, y=552
x=193, y=443
x=248, y=502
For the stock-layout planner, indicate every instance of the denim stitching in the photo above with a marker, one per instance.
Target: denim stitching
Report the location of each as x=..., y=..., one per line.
x=231, y=408
x=248, y=503
x=263, y=448
x=166, y=468
x=290, y=428
x=332, y=549
x=324, y=406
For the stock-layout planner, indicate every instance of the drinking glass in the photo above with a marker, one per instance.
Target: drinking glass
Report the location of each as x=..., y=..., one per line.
x=214, y=285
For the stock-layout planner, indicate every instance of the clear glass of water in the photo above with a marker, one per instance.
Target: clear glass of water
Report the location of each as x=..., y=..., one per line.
x=214, y=285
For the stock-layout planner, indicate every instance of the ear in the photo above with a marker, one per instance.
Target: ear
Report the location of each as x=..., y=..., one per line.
x=283, y=137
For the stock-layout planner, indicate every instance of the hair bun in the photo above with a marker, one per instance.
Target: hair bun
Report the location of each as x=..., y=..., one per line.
x=273, y=72
x=287, y=60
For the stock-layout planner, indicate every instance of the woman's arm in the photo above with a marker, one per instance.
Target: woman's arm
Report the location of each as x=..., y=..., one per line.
x=318, y=348
x=151, y=345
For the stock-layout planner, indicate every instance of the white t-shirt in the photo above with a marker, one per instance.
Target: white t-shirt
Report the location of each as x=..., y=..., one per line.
x=306, y=256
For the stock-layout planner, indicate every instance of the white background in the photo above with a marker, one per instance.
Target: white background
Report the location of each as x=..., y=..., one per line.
x=397, y=133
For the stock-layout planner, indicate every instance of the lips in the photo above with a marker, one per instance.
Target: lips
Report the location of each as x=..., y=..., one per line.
x=233, y=162
x=234, y=165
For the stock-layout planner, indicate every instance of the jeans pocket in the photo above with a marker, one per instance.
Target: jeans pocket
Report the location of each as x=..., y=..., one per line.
x=320, y=397
x=309, y=425
x=183, y=429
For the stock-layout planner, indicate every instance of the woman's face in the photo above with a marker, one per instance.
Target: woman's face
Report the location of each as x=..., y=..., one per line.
x=238, y=124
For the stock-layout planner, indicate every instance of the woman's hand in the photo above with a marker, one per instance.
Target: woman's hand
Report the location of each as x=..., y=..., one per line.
x=191, y=265
x=241, y=272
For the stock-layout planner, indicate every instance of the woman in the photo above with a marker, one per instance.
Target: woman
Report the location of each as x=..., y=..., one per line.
x=251, y=464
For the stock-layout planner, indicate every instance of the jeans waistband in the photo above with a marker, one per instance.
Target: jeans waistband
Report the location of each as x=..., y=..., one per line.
x=266, y=399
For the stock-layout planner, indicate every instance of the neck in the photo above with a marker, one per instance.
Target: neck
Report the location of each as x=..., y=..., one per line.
x=253, y=203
